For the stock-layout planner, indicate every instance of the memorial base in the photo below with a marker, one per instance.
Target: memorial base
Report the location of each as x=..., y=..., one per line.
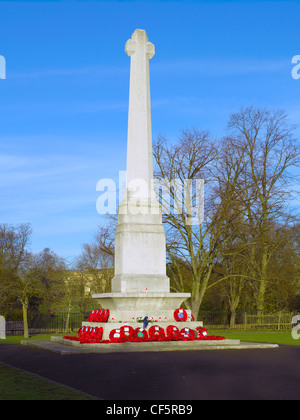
x=126, y=308
x=109, y=326
x=62, y=346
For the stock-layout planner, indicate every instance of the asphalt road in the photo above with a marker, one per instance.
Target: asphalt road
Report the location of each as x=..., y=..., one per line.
x=260, y=374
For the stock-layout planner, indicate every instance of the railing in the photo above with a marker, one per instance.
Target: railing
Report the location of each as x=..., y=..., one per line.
x=58, y=322
x=14, y=327
x=212, y=320
x=40, y=323
x=247, y=321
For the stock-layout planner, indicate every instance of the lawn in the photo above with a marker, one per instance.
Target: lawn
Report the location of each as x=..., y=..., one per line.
x=275, y=337
x=16, y=339
x=18, y=385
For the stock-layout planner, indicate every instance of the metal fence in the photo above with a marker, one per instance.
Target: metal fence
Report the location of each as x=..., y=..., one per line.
x=212, y=320
x=247, y=321
x=58, y=322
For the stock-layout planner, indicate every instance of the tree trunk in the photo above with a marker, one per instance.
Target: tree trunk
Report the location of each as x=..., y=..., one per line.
x=198, y=291
x=67, y=327
x=25, y=317
x=232, y=318
x=195, y=307
x=262, y=285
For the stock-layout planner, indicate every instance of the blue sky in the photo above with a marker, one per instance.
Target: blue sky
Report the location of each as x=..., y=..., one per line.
x=63, y=105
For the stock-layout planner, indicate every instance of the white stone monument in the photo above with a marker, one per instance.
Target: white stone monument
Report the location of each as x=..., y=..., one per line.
x=2, y=328
x=140, y=286
x=140, y=263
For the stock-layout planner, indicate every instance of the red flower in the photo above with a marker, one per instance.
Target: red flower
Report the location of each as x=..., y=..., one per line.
x=90, y=334
x=127, y=332
x=140, y=335
x=187, y=334
x=201, y=332
x=173, y=333
x=71, y=338
x=91, y=316
x=99, y=315
x=210, y=338
x=157, y=333
x=115, y=336
x=180, y=315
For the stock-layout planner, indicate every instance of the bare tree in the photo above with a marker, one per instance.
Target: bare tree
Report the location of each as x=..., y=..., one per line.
x=50, y=268
x=97, y=265
x=18, y=281
x=270, y=151
x=105, y=237
x=198, y=246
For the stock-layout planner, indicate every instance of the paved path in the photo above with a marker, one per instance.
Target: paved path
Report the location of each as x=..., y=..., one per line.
x=271, y=374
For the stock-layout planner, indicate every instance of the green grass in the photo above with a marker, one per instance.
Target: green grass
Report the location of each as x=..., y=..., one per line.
x=16, y=339
x=275, y=337
x=18, y=385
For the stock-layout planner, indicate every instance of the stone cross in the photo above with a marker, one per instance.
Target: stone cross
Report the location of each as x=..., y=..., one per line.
x=2, y=328
x=140, y=243
x=139, y=138
x=140, y=286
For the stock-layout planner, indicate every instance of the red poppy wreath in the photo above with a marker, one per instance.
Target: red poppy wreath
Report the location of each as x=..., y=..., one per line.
x=157, y=333
x=115, y=336
x=201, y=332
x=99, y=315
x=127, y=332
x=173, y=333
x=180, y=315
x=88, y=335
x=187, y=334
x=140, y=335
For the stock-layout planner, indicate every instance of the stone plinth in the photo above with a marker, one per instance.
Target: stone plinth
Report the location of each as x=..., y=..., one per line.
x=125, y=306
x=109, y=326
x=2, y=328
x=61, y=346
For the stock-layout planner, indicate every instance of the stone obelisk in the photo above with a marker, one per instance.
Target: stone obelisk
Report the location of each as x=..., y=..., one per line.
x=140, y=286
x=139, y=145
x=140, y=248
